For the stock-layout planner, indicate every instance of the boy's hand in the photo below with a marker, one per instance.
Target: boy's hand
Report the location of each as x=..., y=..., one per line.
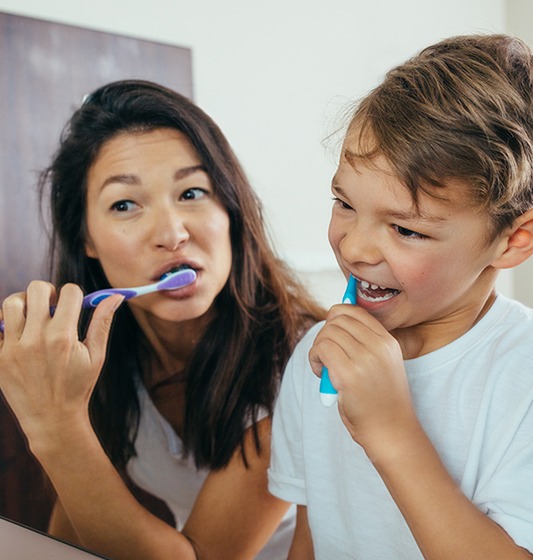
x=365, y=365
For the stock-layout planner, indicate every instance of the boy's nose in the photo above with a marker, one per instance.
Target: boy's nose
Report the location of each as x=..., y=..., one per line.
x=360, y=245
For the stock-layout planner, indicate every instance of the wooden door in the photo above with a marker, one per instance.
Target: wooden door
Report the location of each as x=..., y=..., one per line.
x=45, y=70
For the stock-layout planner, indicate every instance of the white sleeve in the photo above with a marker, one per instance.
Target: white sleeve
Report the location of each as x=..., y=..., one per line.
x=505, y=490
x=286, y=472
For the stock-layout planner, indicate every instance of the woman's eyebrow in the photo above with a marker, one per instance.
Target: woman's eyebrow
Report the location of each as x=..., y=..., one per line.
x=132, y=179
x=186, y=171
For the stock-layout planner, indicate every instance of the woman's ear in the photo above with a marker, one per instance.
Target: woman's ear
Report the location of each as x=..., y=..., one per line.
x=518, y=242
x=89, y=250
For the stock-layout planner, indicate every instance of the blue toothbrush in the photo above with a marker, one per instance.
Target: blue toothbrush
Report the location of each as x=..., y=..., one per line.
x=170, y=281
x=328, y=393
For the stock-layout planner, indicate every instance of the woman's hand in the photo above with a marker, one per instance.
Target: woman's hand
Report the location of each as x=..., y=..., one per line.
x=365, y=365
x=46, y=373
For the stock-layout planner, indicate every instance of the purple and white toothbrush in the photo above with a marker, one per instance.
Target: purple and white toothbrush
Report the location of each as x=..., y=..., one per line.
x=169, y=281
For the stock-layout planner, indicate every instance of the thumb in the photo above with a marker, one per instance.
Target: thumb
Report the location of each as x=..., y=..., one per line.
x=100, y=326
x=315, y=362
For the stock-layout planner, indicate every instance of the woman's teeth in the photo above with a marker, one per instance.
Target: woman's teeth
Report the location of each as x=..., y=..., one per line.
x=175, y=269
x=373, y=292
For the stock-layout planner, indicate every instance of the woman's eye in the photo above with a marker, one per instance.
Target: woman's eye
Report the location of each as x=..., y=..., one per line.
x=123, y=205
x=193, y=194
x=409, y=233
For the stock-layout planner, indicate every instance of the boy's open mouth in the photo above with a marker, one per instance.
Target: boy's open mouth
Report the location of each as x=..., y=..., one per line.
x=374, y=293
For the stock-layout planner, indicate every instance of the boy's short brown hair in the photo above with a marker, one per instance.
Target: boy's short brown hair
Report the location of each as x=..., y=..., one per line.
x=460, y=110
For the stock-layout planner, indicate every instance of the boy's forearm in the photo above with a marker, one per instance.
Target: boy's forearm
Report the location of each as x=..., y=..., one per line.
x=443, y=521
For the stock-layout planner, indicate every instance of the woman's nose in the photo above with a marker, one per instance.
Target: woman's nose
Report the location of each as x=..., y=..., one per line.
x=169, y=229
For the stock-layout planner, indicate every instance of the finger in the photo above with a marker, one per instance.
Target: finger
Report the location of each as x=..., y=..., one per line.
x=357, y=313
x=351, y=340
x=100, y=326
x=39, y=298
x=13, y=312
x=68, y=308
x=346, y=331
x=315, y=362
x=318, y=354
x=324, y=353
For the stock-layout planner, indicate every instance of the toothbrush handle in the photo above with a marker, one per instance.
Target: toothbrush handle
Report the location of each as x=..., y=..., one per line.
x=169, y=282
x=93, y=299
x=328, y=393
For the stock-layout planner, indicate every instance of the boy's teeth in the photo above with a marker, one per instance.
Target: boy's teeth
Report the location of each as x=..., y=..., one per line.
x=368, y=297
x=374, y=292
x=367, y=285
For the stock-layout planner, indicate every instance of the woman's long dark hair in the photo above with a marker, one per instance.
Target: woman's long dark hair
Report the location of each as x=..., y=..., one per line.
x=261, y=312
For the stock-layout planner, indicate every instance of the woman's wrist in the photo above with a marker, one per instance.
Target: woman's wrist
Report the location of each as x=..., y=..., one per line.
x=57, y=434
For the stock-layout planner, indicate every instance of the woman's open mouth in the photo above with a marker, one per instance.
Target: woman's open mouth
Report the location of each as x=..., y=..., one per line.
x=176, y=269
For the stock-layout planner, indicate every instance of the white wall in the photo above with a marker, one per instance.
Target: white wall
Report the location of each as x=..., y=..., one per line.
x=520, y=22
x=275, y=76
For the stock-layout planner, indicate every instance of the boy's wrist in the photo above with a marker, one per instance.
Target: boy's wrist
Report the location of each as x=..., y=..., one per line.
x=393, y=444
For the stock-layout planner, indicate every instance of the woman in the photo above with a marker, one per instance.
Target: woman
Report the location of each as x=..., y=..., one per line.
x=144, y=183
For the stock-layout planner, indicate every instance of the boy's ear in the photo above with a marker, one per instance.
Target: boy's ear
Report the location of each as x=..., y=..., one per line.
x=518, y=242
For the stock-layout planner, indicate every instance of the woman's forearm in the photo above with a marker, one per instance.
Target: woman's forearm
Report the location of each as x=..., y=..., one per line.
x=103, y=513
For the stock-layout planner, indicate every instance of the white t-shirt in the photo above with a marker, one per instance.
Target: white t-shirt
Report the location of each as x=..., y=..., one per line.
x=160, y=468
x=474, y=397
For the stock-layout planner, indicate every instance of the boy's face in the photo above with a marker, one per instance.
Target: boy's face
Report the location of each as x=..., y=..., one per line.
x=415, y=269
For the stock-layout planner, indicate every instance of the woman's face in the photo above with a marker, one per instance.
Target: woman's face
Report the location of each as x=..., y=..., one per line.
x=151, y=208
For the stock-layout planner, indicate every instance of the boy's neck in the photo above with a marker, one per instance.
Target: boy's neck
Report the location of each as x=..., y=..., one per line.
x=424, y=338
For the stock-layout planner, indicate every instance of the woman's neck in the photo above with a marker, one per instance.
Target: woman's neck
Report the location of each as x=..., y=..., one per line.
x=169, y=345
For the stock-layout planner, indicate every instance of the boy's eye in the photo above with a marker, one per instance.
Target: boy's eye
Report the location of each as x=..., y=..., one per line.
x=193, y=194
x=122, y=205
x=341, y=203
x=409, y=233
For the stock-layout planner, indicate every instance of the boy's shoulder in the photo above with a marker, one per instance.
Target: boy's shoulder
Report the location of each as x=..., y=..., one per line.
x=298, y=364
x=507, y=326
x=510, y=314
x=310, y=335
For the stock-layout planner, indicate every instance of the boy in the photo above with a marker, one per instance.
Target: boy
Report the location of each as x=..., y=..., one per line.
x=429, y=453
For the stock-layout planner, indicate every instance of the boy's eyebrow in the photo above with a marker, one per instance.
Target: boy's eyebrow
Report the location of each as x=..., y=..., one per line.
x=335, y=187
x=350, y=156
x=131, y=179
x=405, y=215
x=414, y=215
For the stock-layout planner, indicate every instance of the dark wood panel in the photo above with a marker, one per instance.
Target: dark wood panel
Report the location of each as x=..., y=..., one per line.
x=25, y=493
x=45, y=71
